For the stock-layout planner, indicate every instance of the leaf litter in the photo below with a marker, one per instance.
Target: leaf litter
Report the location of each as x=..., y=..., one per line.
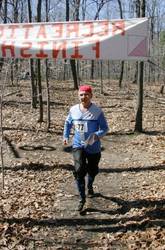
x=38, y=203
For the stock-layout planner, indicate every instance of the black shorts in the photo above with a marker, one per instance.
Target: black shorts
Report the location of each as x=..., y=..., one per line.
x=85, y=163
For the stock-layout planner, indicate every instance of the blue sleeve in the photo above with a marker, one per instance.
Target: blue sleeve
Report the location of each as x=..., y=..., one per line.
x=103, y=126
x=67, y=126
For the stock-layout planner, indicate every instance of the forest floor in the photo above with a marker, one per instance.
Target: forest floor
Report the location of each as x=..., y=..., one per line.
x=39, y=198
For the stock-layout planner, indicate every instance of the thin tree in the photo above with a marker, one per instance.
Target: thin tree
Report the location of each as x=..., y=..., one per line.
x=122, y=63
x=4, y=21
x=2, y=85
x=1, y=100
x=67, y=19
x=14, y=19
x=31, y=62
x=39, y=68
x=139, y=114
x=137, y=10
x=72, y=61
x=1, y=134
x=99, y=5
x=47, y=73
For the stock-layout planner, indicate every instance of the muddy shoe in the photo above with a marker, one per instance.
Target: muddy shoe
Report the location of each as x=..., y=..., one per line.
x=81, y=205
x=90, y=193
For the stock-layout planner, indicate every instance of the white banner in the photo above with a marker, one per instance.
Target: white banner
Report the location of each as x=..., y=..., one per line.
x=105, y=40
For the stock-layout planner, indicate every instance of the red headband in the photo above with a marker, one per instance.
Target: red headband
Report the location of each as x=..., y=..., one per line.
x=85, y=88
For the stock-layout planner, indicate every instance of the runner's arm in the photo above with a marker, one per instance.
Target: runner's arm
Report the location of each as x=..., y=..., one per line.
x=67, y=128
x=103, y=126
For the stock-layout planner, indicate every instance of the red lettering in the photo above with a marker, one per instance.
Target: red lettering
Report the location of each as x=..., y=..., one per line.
x=27, y=29
x=13, y=29
x=58, y=30
x=1, y=31
x=72, y=28
x=118, y=25
x=41, y=54
x=23, y=50
x=89, y=30
x=61, y=47
x=97, y=49
x=76, y=50
x=41, y=32
x=104, y=27
x=9, y=47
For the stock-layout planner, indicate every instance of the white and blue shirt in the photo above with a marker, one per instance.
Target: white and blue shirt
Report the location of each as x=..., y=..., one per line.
x=86, y=124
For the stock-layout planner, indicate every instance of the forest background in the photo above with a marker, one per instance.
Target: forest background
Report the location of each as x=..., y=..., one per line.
x=35, y=98
x=44, y=11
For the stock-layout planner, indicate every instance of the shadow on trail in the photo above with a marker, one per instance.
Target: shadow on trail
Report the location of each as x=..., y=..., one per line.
x=32, y=166
x=131, y=133
x=68, y=167
x=12, y=147
x=133, y=169
x=153, y=217
x=120, y=170
x=16, y=153
x=38, y=147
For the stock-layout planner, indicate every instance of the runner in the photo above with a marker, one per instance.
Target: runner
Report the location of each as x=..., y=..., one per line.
x=89, y=126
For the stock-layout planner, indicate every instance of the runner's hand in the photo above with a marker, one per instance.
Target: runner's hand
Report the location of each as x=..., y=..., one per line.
x=65, y=141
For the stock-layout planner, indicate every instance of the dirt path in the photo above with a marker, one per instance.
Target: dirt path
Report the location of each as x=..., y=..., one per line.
x=129, y=198
x=40, y=199
x=38, y=203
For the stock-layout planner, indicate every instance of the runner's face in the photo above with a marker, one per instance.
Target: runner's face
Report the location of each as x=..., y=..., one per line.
x=85, y=98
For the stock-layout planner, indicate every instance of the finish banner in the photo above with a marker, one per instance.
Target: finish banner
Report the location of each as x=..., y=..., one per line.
x=104, y=39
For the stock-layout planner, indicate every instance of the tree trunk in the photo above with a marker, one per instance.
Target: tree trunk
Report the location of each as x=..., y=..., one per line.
x=5, y=21
x=39, y=68
x=1, y=134
x=47, y=77
x=101, y=76
x=11, y=72
x=137, y=9
x=72, y=61
x=135, y=80
x=31, y=63
x=39, y=90
x=48, y=95
x=99, y=5
x=109, y=74
x=92, y=70
x=121, y=74
x=162, y=89
x=74, y=73
x=122, y=63
x=139, y=114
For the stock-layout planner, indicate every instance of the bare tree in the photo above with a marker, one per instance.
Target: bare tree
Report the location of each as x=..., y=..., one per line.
x=47, y=73
x=83, y=7
x=76, y=18
x=139, y=114
x=31, y=62
x=1, y=133
x=39, y=4
x=4, y=21
x=99, y=5
x=122, y=63
x=137, y=10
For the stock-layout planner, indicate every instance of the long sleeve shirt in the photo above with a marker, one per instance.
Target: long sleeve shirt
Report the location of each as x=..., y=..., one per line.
x=86, y=124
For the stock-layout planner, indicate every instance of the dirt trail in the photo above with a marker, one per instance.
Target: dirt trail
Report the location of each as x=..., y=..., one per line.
x=38, y=203
x=121, y=206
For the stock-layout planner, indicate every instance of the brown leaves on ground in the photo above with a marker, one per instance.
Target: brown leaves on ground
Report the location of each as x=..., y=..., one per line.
x=38, y=203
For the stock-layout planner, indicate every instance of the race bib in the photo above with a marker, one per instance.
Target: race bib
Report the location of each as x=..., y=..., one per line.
x=81, y=126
